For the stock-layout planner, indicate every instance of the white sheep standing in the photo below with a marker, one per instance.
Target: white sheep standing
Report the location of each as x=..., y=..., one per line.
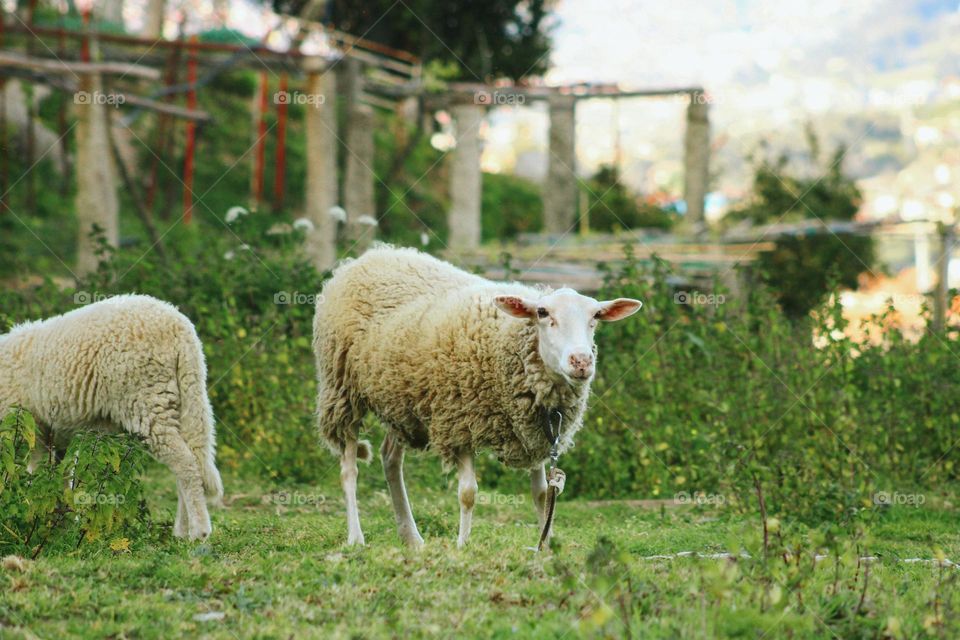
x=129, y=363
x=441, y=357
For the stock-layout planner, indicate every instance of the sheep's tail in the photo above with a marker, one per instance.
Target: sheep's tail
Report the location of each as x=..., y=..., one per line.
x=364, y=451
x=196, y=414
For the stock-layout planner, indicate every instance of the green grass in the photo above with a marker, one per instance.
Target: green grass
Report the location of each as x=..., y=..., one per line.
x=278, y=571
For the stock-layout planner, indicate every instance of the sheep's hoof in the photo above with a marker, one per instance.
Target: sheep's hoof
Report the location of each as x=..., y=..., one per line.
x=201, y=534
x=356, y=541
x=413, y=541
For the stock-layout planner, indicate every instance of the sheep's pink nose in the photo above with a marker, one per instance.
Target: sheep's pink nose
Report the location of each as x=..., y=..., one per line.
x=581, y=364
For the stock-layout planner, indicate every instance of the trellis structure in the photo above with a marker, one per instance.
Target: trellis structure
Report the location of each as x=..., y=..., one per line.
x=372, y=75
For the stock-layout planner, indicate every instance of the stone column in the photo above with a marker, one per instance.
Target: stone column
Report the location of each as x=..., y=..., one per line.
x=96, y=200
x=465, y=177
x=359, y=182
x=321, y=188
x=696, y=159
x=560, y=189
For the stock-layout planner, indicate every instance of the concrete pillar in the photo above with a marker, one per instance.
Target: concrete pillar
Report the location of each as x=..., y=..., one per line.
x=696, y=158
x=359, y=182
x=96, y=200
x=321, y=188
x=465, y=177
x=560, y=190
x=153, y=19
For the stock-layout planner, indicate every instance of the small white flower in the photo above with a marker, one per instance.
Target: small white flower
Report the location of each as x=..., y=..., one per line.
x=303, y=224
x=337, y=213
x=234, y=213
x=424, y=239
x=370, y=220
x=229, y=255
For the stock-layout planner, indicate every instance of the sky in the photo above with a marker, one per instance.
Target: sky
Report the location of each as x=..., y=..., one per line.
x=716, y=42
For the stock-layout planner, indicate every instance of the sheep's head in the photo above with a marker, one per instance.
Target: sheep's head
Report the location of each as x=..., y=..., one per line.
x=565, y=323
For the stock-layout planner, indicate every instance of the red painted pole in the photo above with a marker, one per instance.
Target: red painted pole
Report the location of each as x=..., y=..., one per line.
x=280, y=164
x=85, y=43
x=261, y=142
x=191, y=134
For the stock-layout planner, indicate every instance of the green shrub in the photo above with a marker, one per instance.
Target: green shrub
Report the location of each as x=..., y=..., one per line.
x=93, y=492
x=510, y=205
x=801, y=269
x=732, y=399
x=612, y=207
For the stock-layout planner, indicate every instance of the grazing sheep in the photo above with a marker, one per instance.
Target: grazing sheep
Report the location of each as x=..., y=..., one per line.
x=441, y=357
x=132, y=363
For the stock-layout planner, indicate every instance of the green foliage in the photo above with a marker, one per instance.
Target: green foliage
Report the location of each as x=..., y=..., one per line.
x=509, y=206
x=612, y=207
x=93, y=492
x=803, y=268
x=828, y=194
x=718, y=398
x=482, y=40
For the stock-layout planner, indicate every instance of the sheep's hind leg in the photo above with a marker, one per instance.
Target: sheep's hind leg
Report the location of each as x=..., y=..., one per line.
x=348, y=479
x=169, y=447
x=538, y=488
x=181, y=525
x=391, y=454
x=467, y=495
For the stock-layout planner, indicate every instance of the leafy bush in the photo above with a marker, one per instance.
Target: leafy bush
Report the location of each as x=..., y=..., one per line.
x=510, y=205
x=803, y=268
x=612, y=207
x=735, y=400
x=92, y=492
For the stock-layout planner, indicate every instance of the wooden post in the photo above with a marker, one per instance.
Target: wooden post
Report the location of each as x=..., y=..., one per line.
x=696, y=160
x=191, y=144
x=560, y=190
x=584, y=206
x=280, y=163
x=61, y=116
x=162, y=141
x=32, y=116
x=321, y=188
x=465, y=177
x=940, y=302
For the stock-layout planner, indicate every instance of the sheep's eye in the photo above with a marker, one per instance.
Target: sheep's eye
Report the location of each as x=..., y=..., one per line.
x=597, y=315
x=542, y=313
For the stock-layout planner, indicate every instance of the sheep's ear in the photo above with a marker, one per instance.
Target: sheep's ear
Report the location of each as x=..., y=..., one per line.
x=613, y=310
x=516, y=306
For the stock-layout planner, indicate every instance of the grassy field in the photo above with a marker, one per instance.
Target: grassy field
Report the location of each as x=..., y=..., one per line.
x=277, y=567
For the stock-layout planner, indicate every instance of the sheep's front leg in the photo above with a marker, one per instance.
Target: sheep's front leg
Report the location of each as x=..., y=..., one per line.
x=538, y=487
x=391, y=454
x=348, y=479
x=467, y=493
